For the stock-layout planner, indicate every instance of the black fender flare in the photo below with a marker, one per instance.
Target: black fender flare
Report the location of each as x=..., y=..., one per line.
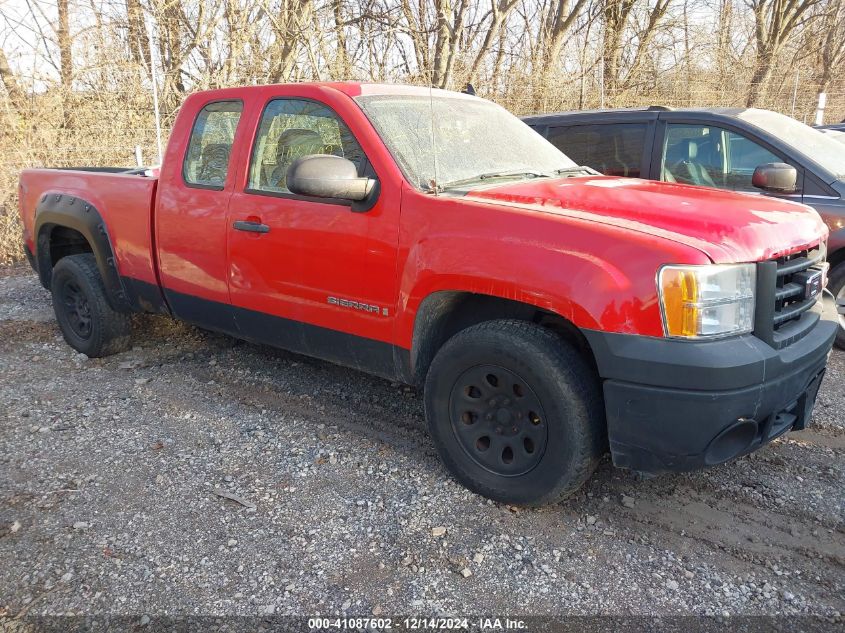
x=444, y=313
x=63, y=210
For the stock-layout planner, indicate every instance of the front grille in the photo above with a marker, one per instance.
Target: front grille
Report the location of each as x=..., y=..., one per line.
x=783, y=313
x=789, y=296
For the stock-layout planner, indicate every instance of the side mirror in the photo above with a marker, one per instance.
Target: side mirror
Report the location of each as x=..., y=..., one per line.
x=775, y=177
x=327, y=176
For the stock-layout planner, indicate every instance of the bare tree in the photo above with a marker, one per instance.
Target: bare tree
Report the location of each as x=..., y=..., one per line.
x=529, y=55
x=616, y=14
x=617, y=18
x=289, y=23
x=832, y=49
x=499, y=11
x=774, y=22
x=557, y=22
x=450, y=28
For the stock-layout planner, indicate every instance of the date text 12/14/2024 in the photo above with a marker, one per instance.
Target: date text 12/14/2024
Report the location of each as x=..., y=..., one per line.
x=419, y=623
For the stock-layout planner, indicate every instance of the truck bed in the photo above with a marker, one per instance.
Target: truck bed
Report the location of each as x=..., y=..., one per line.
x=124, y=198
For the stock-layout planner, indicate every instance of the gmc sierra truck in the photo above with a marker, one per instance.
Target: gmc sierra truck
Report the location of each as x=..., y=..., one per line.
x=432, y=238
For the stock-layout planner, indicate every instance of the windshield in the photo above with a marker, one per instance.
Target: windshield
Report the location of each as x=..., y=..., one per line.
x=823, y=149
x=474, y=140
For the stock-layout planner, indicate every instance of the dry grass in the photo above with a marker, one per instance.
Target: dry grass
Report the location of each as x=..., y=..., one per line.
x=11, y=244
x=100, y=130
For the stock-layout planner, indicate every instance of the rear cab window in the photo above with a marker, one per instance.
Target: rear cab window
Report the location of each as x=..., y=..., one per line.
x=614, y=149
x=206, y=163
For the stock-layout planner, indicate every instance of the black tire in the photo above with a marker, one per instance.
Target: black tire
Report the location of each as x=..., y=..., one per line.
x=500, y=359
x=836, y=285
x=87, y=321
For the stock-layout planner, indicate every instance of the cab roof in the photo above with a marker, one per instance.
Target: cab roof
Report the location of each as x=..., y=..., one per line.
x=349, y=88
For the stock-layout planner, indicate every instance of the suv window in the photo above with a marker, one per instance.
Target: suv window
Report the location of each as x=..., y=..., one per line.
x=290, y=129
x=210, y=146
x=615, y=149
x=712, y=157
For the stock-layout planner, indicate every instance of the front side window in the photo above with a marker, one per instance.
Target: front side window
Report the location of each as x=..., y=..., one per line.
x=290, y=129
x=210, y=147
x=614, y=149
x=712, y=157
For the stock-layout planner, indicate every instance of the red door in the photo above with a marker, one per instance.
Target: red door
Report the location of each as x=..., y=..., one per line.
x=311, y=274
x=191, y=233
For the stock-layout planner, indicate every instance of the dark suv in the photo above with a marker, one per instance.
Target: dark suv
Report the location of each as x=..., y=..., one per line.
x=729, y=148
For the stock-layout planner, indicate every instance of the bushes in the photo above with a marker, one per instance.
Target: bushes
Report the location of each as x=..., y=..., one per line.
x=51, y=130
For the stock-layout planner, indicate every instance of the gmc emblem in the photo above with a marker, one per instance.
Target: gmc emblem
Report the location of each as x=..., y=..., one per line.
x=813, y=284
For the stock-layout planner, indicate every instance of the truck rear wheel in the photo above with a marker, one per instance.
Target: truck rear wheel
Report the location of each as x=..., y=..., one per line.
x=87, y=321
x=515, y=412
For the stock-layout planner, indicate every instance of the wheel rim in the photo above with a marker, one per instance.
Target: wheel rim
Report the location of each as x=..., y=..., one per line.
x=498, y=420
x=76, y=309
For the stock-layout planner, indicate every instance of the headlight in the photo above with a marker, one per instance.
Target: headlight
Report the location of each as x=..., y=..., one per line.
x=707, y=301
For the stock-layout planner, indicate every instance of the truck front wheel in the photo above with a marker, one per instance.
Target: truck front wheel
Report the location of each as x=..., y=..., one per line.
x=515, y=412
x=87, y=321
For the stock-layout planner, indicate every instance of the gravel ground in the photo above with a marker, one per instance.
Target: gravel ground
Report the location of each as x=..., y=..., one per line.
x=197, y=474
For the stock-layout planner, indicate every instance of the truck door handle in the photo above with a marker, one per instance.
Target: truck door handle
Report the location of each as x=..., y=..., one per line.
x=251, y=227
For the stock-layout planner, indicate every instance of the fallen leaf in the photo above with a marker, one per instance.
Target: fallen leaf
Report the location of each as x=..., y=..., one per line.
x=235, y=498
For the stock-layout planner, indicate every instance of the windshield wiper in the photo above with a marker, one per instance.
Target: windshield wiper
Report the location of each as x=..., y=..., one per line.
x=575, y=171
x=490, y=176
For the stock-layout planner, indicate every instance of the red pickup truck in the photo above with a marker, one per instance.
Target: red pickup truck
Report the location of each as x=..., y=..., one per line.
x=432, y=238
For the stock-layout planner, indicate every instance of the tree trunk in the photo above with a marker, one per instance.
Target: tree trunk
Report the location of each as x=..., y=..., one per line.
x=456, y=33
x=65, y=61
x=500, y=57
x=759, y=81
x=499, y=10
x=442, y=43
x=287, y=28
x=342, y=65
x=774, y=23
x=139, y=49
x=833, y=44
x=416, y=31
x=616, y=14
x=655, y=17
x=10, y=82
x=558, y=22
x=65, y=52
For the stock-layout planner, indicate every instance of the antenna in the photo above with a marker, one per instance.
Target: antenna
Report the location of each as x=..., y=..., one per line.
x=154, y=79
x=433, y=139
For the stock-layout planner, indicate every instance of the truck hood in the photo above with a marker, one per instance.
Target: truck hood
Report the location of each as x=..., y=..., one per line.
x=728, y=227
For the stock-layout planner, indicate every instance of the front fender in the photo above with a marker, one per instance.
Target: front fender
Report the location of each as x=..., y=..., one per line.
x=585, y=286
